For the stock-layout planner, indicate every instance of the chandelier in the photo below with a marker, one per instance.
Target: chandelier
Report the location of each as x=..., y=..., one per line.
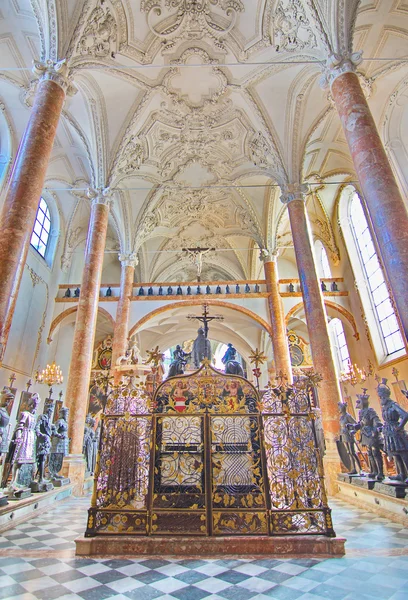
x=51, y=375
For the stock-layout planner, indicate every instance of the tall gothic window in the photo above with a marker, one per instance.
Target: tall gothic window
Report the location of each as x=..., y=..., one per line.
x=42, y=226
x=339, y=342
x=374, y=276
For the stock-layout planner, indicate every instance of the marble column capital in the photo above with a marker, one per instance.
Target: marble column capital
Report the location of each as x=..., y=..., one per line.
x=266, y=255
x=338, y=64
x=293, y=191
x=129, y=260
x=100, y=196
x=56, y=71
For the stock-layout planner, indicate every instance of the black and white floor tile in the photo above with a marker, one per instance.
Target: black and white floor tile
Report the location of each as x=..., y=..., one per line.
x=37, y=562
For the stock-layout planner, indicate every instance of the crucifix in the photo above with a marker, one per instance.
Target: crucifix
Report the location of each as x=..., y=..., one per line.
x=205, y=319
x=196, y=256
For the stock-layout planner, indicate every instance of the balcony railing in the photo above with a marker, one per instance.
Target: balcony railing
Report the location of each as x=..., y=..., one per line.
x=333, y=286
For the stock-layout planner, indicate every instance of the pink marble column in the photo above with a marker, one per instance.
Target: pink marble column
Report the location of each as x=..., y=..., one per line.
x=279, y=338
x=120, y=338
x=387, y=209
x=26, y=183
x=323, y=362
x=84, y=335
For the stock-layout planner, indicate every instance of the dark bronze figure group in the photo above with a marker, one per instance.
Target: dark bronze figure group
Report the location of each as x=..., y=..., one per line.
x=36, y=449
x=378, y=437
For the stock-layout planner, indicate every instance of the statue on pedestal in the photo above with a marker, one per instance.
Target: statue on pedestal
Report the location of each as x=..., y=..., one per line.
x=43, y=431
x=22, y=447
x=88, y=444
x=59, y=447
x=395, y=438
x=179, y=362
x=370, y=425
x=6, y=397
x=232, y=366
x=347, y=437
x=201, y=348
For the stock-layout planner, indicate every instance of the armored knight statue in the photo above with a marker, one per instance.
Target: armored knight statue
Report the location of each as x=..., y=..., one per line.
x=179, y=361
x=232, y=366
x=22, y=447
x=6, y=397
x=201, y=348
x=88, y=444
x=395, y=438
x=59, y=447
x=370, y=425
x=43, y=431
x=347, y=437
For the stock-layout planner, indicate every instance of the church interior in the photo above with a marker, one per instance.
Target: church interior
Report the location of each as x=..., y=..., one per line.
x=203, y=299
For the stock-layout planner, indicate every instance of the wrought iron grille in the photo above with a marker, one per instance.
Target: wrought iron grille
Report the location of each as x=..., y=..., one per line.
x=209, y=459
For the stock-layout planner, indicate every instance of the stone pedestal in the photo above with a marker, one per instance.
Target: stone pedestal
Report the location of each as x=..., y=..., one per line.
x=391, y=488
x=43, y=486
x=73, y=468
x=19, y=493
x=188, y=546
x=60, y=481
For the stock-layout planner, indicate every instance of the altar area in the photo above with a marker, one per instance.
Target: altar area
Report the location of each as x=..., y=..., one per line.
x=208, y=467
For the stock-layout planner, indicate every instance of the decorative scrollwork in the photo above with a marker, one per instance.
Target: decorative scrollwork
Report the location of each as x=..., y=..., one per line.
x=209, y=459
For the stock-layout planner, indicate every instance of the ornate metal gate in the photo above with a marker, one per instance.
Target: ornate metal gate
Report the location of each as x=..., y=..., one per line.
x=209, y=459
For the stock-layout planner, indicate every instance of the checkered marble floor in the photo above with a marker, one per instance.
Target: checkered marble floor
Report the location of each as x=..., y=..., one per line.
x=37, y=562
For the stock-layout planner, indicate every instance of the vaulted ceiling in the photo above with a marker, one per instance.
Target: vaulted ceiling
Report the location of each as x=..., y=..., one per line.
x=192, y=112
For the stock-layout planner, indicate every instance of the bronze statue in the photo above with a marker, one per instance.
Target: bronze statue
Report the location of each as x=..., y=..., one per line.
x=232, y=366
x=22, y=447
x=395, y=438
x=59, y=445
x=43, y=431
x=370, y=425
x=201, y=348
x=6, y=397
x=179, y=362
x=347, y=437
x=88, y=444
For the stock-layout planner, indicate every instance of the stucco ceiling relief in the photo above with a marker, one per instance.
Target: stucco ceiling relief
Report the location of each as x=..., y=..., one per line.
x=175, y=20
x=133, y=156
x=99, y=36
x=291, y=28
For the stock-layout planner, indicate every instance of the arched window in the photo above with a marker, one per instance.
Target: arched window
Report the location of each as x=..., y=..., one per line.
x=339, y=342
x=373, y=274
x=42, y=226
x=323, y=265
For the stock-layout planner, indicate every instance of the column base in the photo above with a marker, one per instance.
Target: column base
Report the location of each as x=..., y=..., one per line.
x=73, y=468
x=332, y=467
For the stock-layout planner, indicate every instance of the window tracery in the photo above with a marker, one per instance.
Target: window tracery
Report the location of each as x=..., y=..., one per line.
x=42, y=226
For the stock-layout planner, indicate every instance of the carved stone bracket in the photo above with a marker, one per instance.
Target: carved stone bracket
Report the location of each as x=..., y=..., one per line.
x=57, y=71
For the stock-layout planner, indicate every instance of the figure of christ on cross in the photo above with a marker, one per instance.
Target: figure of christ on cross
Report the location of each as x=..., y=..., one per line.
x=205, y=319
x=196, y=256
